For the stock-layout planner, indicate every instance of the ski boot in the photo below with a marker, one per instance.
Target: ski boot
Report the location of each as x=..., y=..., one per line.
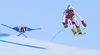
x=79, y=31
x=73, y=30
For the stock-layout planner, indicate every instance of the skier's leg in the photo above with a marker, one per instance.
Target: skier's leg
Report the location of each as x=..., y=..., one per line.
x=77, y=25
x=71, y=26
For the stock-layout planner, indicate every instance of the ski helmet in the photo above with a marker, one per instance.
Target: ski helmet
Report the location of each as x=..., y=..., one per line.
x=70, y=7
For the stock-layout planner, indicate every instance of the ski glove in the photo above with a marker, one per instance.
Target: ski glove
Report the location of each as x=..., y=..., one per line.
x=65, y=26
x=84, y=24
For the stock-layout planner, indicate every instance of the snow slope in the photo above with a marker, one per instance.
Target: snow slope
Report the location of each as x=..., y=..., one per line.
x=13, y=45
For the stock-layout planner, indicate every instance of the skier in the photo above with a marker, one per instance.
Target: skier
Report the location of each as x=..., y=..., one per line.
x=68, y=18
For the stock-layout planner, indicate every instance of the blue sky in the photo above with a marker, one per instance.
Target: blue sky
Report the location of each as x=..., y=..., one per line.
x=47, y=14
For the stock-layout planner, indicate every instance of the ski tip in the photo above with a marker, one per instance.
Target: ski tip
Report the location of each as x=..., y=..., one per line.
x=84, y=33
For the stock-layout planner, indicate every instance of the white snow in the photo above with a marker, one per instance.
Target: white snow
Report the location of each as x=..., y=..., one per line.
x=13, y=45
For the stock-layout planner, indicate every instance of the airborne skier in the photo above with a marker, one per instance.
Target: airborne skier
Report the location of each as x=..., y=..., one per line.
x=68, y=18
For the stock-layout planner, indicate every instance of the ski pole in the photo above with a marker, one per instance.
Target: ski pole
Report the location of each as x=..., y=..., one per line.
x=83, y=31
x=56, y=34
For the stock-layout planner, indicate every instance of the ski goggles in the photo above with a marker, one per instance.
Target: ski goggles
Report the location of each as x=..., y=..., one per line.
x=71, y=10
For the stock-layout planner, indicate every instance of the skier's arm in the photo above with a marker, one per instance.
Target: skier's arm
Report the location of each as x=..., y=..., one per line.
x=80, y=18
x=63, y=19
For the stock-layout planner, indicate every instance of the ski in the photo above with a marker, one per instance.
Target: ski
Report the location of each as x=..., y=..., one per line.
x=79, y=34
